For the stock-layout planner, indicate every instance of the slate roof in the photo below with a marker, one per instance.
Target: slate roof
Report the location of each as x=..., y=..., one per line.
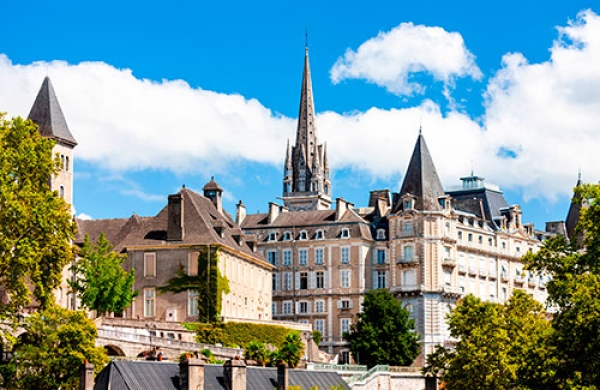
x=201, y=224
x=574, y=213
x=311, y=221
x=47, y=114
x=133, y=375
x=421, y=180
x=473, y=200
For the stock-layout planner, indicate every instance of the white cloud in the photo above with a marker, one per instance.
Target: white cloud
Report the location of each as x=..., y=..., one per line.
x=540, y=127
x=390, y=59
x=84, y=217
x=547, y=114
x=125, y=123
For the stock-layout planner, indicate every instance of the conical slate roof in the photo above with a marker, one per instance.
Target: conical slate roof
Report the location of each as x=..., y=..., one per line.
x=306, y=133
x=421, y=180
x=46, y=113
x=574, y=212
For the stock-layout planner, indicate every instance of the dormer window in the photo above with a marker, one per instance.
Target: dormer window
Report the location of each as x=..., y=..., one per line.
x=319, y=235
x=272, y=236
x=381, y=234
x=407, y=205
x=287, y=236
x=303, y=235
x=345, y=233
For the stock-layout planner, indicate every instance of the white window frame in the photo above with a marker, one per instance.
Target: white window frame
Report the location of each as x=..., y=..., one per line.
x=319, y=306
x=345, y=276
x=303, y=256
x=149, y=302
x=287, y=257
x=193, y=303
x=150, y=264
x=345, y=255
x=319, y=255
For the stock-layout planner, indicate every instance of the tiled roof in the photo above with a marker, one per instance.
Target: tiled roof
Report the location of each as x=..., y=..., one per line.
x=46, y=113
x=129, y=375
x=201, y=224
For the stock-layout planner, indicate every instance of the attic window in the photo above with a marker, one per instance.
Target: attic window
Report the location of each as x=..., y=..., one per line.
x=303, y=235
x=407, y=204
x=345, y=233
x=272, y=236
x=287, y=236
x=381, y=234
x=319, y=235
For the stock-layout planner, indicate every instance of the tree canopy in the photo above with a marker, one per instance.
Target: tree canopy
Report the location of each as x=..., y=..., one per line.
x=574, y=291
x=498, y=346
x=207, y=281
x=384, y=332
x=49, y=355
x=35, y=223
x=100, y=280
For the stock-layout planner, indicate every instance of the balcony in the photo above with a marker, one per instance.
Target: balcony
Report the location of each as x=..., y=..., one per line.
x=493, y=274
x=472, y=271
x=504, y=276
x=407, y=288
x=462, y=269
x=407, y=260
x=483, y=273
x=455, y=290
x=449, y=262
x=531, y=282
x=519, y=279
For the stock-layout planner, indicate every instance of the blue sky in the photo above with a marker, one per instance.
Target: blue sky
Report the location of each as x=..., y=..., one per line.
x=161, y=95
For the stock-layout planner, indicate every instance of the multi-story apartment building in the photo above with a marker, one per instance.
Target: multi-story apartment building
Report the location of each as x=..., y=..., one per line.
x=428, y=246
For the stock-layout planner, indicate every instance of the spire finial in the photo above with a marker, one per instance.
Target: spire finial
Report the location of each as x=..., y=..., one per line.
x=306, y=38
x=472, y=167
x=420, y=124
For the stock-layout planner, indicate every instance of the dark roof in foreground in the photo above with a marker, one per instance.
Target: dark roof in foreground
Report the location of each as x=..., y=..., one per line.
x=130, y=375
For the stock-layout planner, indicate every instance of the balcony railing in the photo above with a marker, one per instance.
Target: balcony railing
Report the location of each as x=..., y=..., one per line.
x=493, y=274
x=504, y=276
x=531, y=282
x=462, y=268
x=452, y=290
x=472, y=271
x=483, y=272
x=407, y=260
x=407, y=288
x=449, y=261
x=518, y=279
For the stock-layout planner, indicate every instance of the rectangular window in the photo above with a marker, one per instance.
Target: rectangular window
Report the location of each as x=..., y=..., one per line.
x=303, y=256
x=149, y=265
x=193, y=303
x=409, y=253
x=380, y=279
x=193, y=263
x=287, y=307
x=345, y=278
x=275, y=285
x=380, y=256
x=303, y=280
x=320, y=279
x=274, y=309
x=273, y=257
x=303, y=307
x=287, y=257
x=345, y=256
x=149, y=301
x=319, y=256
x=408, y=227
x=345, y=325
x=287, y=280
x=320, y=326
x=345, y=304
x=319, y=306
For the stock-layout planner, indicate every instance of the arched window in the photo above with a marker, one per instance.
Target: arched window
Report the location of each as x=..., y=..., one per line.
x=61, y=192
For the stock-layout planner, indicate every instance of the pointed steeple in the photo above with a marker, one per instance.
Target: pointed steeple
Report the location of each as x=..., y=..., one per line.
x=421, y=180
x=574, y=211
x=306, y=133
x=47, y=114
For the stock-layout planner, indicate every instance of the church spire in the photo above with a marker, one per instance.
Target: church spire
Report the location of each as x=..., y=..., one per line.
x=574, y=212
x=421, y=180
x=306, y=188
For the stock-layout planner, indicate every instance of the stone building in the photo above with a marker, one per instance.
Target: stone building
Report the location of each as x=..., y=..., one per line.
x=48, y=115
x=158, y=247
x=428, y=246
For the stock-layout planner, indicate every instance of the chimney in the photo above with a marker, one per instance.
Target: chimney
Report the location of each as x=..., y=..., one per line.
x=341, y=206
x=234, y=371
x=175, y=229
x=191, y=374
x=273, y=211
x=282, y=376
x=240, y=213
x=86, y=376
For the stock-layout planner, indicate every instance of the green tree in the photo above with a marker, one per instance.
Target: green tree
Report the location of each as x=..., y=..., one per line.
x=101, y=282
x=575, y=290
x=498, y=347
x=51, y=352
x=209, y=283
x=256, y=350
x=384, y=332
x=35, y=223
x=291, y=349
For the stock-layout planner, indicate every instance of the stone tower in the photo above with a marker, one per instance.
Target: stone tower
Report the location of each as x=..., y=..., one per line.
x=306, y=181
x=47, y=114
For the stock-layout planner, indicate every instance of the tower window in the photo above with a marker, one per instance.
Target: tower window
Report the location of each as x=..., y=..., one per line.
x=61, y=192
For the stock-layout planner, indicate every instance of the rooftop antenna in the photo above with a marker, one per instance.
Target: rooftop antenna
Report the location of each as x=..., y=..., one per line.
x=472, y=167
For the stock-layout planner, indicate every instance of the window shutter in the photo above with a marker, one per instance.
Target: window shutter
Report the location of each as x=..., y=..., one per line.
x=374, y=284
x=325, y=279
x=297, y=285
x=339, y=304
x=308, y=307
x=313, y=281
